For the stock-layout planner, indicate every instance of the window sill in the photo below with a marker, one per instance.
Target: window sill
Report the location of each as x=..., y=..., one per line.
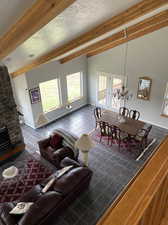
x=163, y=115
x=59, y=107
x=75, y=100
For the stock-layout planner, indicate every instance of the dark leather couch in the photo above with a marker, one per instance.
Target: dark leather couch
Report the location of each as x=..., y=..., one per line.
x=48, y=206
x=54, y=154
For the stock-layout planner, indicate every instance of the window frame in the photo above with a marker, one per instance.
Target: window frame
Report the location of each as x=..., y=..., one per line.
x=59, y=96
x=164, y=101
x=81, y=87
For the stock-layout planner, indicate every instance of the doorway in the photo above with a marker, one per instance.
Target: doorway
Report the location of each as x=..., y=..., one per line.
x=108, y=84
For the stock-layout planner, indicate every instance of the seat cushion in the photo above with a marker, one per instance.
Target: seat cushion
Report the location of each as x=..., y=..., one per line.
x=56, y=141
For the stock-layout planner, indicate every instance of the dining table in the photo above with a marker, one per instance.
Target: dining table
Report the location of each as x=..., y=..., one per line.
x=125, y=124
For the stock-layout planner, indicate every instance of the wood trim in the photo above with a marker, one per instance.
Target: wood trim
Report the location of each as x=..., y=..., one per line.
x=145, y=201
x=11, y=152
x=97, y=45
x=126, y=16
x=120, y=36
x=41, y=13
x=164, y=115
x=133, y=36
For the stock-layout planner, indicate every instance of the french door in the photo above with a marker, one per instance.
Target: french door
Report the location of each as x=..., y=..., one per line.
x=107, y=85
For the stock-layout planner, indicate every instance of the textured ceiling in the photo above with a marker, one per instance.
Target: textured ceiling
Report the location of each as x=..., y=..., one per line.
x=75, y=20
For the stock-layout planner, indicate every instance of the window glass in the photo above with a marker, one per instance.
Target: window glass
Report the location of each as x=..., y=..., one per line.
x=50, y=95
x=74, y=87
x=102, y=89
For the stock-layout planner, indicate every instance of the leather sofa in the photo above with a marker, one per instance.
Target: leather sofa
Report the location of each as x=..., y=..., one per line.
x=55, y=152
x=48, y=206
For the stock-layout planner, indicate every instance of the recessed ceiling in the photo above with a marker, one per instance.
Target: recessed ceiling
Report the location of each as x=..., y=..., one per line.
x=75, y=20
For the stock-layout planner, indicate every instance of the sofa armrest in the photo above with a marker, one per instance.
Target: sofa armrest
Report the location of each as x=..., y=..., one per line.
x=5, y=217
x=41, y=209
x=63, y=152
x=70, y=162
x=44, y=143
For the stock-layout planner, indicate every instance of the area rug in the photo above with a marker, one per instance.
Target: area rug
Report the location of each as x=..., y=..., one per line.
x=129, y=149
x=31, y=172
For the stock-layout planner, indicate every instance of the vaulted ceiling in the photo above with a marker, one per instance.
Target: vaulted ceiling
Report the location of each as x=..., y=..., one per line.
x=75, y=20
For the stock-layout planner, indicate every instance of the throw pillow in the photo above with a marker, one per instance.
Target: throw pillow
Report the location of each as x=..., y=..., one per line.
x=21, y=208
x=56, y=141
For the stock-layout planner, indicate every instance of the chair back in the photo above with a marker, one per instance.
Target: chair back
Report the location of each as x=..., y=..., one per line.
x=123, y=111
x=116, y=132
x=143, y=133
x=97, y=113
x=104, y=128
x=148, y=131
x=134, y=114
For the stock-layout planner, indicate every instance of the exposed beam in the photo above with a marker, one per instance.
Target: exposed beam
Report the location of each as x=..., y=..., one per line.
x=119, y=37
x=133, y=36
x=134, y=12
x=40, y=14
x=93, y=47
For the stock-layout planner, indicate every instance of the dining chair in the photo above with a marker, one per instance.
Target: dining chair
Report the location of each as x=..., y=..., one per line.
x=134, y=114
x=142, y=137
x=104, y=129
x=123, y=111
x=97, y=114
x=118, y=135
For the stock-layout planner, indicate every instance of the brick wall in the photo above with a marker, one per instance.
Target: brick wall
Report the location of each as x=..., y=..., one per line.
x=8, y=111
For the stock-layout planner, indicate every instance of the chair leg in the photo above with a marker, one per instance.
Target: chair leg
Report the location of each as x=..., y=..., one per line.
x=119, y=143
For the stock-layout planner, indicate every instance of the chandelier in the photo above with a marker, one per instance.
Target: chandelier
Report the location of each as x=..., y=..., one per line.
x=123, y=93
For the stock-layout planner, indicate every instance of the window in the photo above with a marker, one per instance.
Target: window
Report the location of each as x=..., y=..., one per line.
x=74, y=86
x=102, y=89
x=50, y=95
x=165, y=103
x=108, y=84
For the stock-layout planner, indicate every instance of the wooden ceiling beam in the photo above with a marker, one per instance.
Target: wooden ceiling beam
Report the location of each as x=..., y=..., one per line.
x=40, y=14
x=134, y=12
x=133, y=36
x=119, y=37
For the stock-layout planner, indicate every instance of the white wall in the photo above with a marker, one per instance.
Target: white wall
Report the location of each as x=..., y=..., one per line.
x=51, y=71
x=22, y=98
x=147, y=56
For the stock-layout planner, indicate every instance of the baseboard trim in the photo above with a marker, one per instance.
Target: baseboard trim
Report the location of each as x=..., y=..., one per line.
x=63, y=115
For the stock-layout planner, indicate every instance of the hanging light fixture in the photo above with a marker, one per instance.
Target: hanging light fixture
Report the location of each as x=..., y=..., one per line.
x=123, y=93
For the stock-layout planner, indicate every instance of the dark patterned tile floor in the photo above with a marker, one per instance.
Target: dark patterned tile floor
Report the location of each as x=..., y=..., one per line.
x=112, y=171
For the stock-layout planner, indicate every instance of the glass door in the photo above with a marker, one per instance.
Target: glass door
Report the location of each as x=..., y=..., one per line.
x=102, y=89
x=116, y=84
x=108, y=84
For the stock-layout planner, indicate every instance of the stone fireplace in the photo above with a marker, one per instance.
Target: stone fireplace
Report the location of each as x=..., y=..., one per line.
x=9, y=119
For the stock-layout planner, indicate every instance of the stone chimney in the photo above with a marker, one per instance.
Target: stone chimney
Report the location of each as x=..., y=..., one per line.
x=8, y=111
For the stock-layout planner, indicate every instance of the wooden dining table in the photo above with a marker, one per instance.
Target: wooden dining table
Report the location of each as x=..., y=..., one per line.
x=130, y=126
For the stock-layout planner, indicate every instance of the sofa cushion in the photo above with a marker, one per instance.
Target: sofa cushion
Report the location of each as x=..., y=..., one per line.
x=71, y=180
x=56, y=141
